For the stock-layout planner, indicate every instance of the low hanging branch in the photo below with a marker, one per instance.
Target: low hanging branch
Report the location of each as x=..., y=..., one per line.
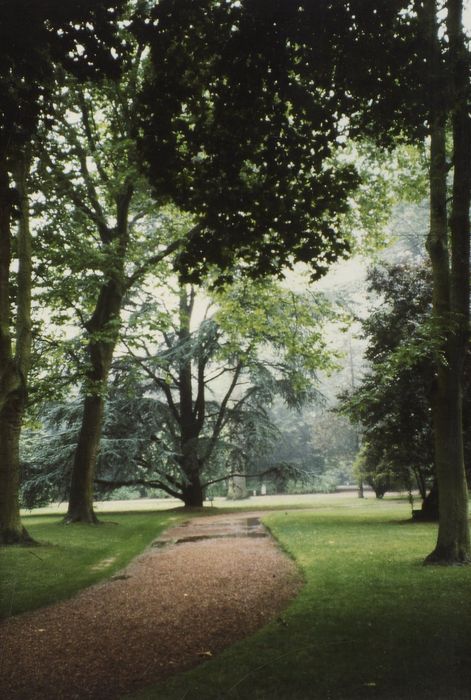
x=112, y=484
x=153, y=483
x=267, y=472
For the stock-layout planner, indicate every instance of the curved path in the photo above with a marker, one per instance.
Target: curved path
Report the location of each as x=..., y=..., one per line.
x=200, y=587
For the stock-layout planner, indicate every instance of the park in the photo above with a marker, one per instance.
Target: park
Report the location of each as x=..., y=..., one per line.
x=363, y=617
x=235, y=369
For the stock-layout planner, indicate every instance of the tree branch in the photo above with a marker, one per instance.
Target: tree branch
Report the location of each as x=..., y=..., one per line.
x=222, y=411
x=158, y=380
x=155, y=259
x=152, y=261
x=271, y=470
x=139, y=482
x=89, y=128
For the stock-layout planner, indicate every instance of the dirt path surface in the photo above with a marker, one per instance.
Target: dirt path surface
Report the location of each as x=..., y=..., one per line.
x=199, y=588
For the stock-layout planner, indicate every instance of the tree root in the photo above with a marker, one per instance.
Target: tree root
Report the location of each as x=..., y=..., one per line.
x=17, y=536
x=447, y=557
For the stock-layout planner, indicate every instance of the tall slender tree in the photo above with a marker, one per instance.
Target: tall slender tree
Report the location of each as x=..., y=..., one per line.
x=448, y=247
x=101, y=221
x=419, y=88
x=79, y=37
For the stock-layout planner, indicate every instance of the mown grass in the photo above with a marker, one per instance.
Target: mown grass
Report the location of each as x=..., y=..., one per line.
x=71, y=557
x=371, y=621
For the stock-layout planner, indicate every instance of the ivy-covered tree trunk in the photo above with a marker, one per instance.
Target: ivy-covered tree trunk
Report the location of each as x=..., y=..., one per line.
x=448, y=248
x=14, y=364
x=103, y=334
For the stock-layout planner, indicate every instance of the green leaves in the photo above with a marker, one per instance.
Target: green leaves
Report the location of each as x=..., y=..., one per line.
x=202, y=376
x=254, y=314
x=238, y=127
x=392, y=402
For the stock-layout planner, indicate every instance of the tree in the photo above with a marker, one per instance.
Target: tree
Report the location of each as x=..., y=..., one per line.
x=448, y=247
x=203, y=393
x=14, y=364
x=101, y=223
x=392, y=401
x=81, y=39
x=243, y=131
x=417, y=87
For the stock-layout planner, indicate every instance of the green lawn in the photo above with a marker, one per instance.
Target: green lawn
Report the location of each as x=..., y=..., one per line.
x=371, y=621
x=71, y=556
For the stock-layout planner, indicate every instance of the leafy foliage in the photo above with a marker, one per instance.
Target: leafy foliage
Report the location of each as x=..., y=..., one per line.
x=204, y=387
x=81, y=37
x=47, y=451
x=240, y=126
x=392, y=403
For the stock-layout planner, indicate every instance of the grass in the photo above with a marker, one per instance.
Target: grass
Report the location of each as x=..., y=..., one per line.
x=371, y=621
x=71, y=557
x=298, y=501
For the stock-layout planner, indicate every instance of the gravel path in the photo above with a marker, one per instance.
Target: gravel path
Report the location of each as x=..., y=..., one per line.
x=198, y=589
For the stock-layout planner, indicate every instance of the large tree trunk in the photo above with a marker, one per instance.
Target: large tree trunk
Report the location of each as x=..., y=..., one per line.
x=450, y=288
x=103, y=332
x=81, y=488
x=11, y=528
x=190, y=420
x=100, y=350
x=13, y=367
x=453, y=543
x=193, y=496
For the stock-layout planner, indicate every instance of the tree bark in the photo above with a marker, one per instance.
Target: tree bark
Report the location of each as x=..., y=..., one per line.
x=193, y=495
x=11, y=528
x=450, y=285
x=190, y=423
x=103, y=333
x=80, y=508
x=429, y=512
x=14, y=367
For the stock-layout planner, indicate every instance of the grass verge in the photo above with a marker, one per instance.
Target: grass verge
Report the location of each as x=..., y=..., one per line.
x=371, y=621
x=71, y=557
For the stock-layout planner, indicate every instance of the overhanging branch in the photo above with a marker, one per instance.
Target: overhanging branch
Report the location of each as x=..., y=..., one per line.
x=116, y=484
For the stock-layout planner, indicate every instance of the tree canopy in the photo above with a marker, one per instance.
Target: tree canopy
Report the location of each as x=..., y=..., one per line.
x=81, y=38
x=240, y=126
x=238, y=117
x=391, y=403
